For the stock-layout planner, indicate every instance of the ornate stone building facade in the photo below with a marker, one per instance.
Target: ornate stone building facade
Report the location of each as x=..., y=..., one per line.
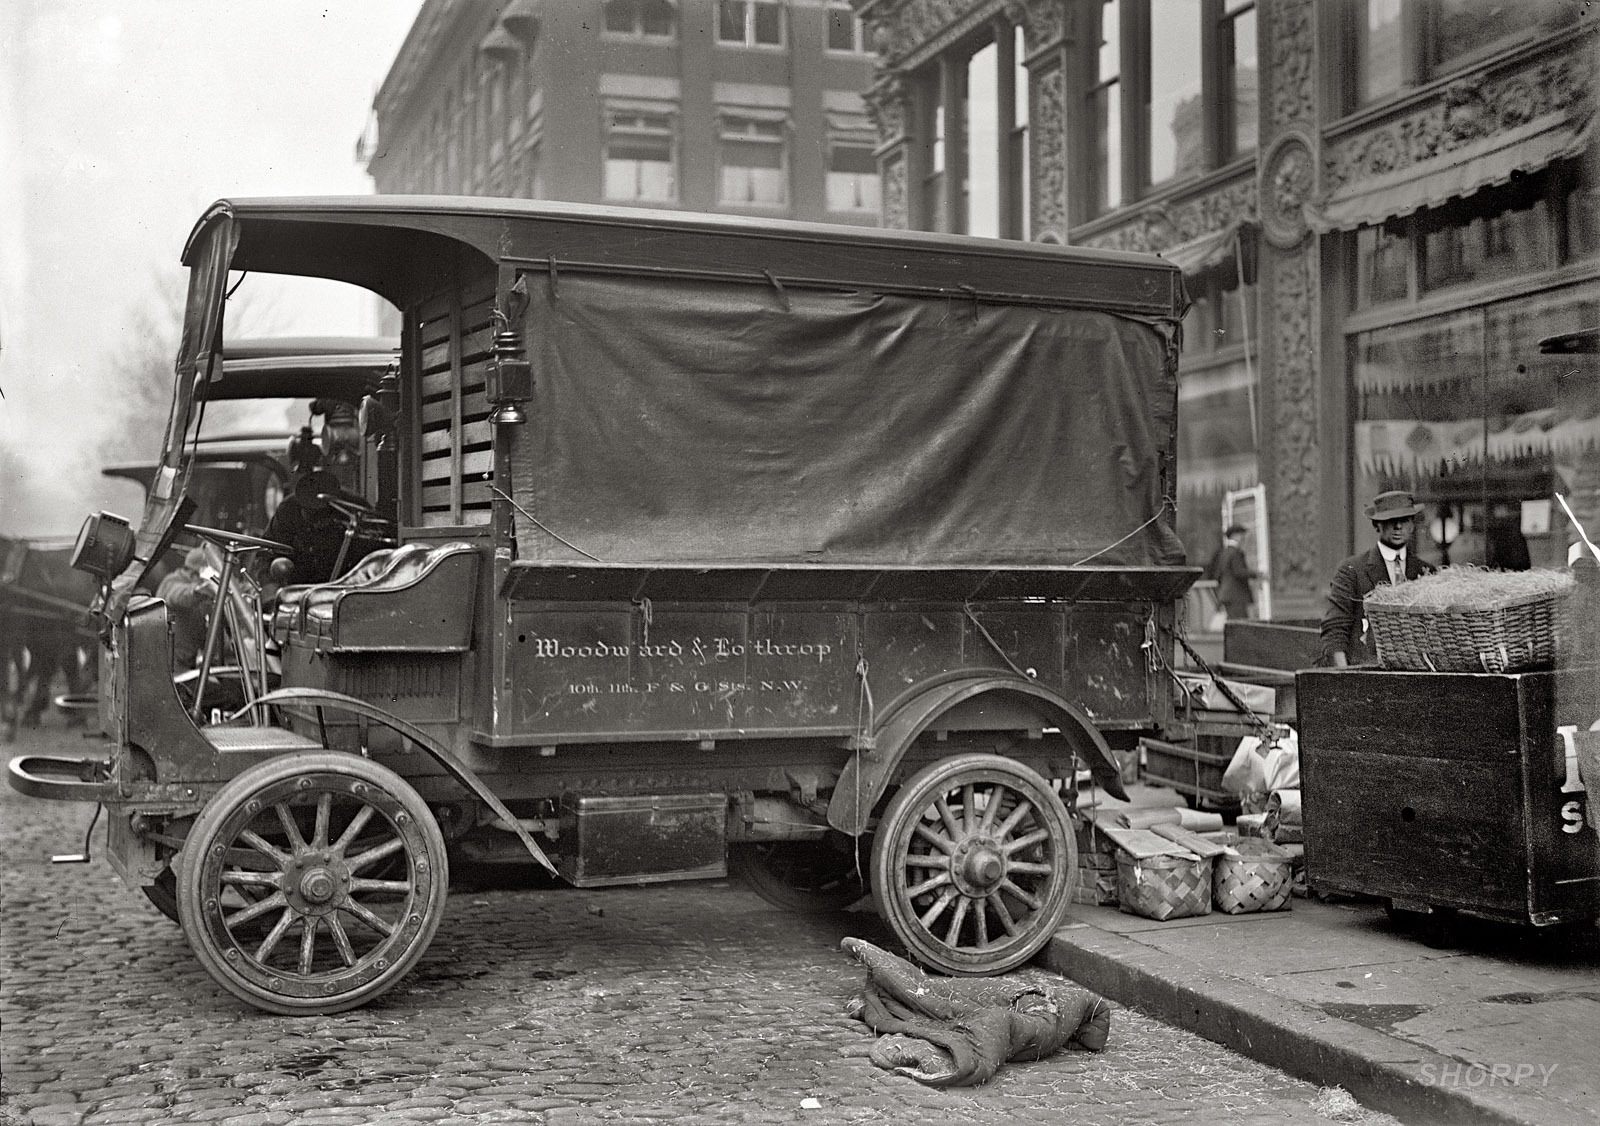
x=1381, y=207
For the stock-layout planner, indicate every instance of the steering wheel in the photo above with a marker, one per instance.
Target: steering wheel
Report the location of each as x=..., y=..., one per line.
x=238, y=540
x=360, y=518
x=348, y=509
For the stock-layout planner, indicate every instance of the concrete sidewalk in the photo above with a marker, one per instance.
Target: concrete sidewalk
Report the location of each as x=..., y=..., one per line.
x=1501, y=1026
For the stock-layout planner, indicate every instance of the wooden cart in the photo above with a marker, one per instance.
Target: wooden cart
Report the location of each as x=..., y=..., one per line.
x=1452, y=791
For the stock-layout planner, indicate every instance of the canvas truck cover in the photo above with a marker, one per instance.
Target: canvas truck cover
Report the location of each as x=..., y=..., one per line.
x=685, y=420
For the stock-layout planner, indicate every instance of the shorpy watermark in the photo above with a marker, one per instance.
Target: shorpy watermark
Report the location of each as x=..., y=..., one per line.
x=1455, y=1074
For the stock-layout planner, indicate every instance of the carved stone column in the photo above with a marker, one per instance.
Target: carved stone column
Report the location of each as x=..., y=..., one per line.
x=888, y=105
x=1047, y=33
x=1290, y=274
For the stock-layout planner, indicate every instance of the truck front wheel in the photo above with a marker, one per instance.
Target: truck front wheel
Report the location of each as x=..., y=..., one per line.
x=312, y=883
x=973, y=864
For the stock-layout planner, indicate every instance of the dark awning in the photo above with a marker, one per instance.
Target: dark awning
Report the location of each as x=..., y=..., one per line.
x=1215, y=250
x=1367, y=201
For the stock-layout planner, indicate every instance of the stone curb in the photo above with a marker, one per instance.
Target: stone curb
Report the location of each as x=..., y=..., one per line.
x=1381, y=1071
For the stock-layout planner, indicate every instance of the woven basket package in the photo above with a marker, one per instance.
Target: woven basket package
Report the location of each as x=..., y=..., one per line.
x=1259, y=878
x=1164, y=887
x=1466, y=619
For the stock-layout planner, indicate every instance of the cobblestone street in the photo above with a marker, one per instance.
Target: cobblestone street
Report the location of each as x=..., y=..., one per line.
x=693, y=1003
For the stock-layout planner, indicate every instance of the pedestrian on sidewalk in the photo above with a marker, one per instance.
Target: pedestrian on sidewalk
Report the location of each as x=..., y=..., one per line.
x=1345, y=640
x=1232, y=573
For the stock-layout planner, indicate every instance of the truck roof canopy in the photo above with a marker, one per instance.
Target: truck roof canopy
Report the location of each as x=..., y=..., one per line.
x=402, y=247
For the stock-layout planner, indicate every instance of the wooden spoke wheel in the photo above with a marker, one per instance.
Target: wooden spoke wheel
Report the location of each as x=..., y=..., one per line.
x=312, y=883
x=973, y=864
x=810, y=877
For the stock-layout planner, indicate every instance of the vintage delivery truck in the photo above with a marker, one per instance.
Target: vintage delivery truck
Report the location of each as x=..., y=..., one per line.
x=828, y=553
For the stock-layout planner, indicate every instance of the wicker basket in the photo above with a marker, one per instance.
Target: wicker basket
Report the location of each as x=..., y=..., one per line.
x=1500, y=635
x=1258, y=879
x=1164, y=887
x=1097, y=886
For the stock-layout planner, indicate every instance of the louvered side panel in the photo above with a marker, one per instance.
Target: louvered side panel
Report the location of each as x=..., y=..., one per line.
x=456, y=454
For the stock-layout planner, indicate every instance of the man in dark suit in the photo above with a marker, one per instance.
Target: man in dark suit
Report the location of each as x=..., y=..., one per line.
x=1391, y=559
x=1233, y=574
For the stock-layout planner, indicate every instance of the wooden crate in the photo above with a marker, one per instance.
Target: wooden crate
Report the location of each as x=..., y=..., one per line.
x=1195, y=770
x=1446, y=789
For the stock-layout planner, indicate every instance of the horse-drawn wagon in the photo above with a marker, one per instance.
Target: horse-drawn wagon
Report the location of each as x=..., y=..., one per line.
x=833, y=553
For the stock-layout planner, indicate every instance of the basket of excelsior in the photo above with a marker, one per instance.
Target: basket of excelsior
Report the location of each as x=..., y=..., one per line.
x=1468, y=619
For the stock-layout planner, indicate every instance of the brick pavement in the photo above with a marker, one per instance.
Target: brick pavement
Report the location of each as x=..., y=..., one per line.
x=688, y=1003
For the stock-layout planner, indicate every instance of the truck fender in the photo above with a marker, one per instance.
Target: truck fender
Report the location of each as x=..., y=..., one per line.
x=867, y=774
x=316, y=697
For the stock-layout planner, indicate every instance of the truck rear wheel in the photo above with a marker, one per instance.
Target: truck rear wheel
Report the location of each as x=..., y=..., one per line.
x=810, y=877
x=284, y=894
x=973, y=864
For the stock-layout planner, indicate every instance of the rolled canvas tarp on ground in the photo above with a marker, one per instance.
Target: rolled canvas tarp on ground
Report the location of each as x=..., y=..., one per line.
x=706, y=421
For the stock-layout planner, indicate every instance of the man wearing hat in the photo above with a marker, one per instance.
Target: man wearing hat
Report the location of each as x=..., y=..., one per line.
x=1390, y=560
x=1232, y=572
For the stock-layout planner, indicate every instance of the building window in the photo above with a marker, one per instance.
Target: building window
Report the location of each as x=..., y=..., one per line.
x=1377, y=43
x=853, y=183
x=1511, y=242
x=753, y=160
x=751, y=23
x=1171, y=90
x=641, y=157
x=1394, y=44
x=1174, y=118
x=1383, y=265
x=1530, y=225
x=1240, y=84
x=1105, y=114
x=1459, y=406
x=846, y=32
x=969, y=109
x=640, y=19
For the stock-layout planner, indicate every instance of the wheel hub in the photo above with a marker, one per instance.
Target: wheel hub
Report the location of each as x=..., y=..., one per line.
x=978, y=866
x=316, y=883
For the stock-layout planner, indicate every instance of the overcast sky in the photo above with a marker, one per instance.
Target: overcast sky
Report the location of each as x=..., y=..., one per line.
x=120, y=121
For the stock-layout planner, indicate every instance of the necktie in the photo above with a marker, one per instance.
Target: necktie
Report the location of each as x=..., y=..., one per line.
x=1397, y=570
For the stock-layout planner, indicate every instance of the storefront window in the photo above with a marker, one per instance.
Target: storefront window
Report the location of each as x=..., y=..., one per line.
x=1464, y=411
x=1583, y=222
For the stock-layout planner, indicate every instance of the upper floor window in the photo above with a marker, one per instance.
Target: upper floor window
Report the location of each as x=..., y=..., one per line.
x=846, y=32
x=1105, y=113
x=640, y=19
x=852, y=181
x=1240, y=77
x=753, y=158
x=752, y=23
x=1168, y=47
x=641, y=156
x=1394, y=44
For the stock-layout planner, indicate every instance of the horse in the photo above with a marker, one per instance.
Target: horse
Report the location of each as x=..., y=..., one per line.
x=44, y=629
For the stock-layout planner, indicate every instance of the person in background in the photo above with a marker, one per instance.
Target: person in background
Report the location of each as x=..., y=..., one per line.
x=308, y=524
x=1344, y=624
x=1232, y=572
x=188, y=592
